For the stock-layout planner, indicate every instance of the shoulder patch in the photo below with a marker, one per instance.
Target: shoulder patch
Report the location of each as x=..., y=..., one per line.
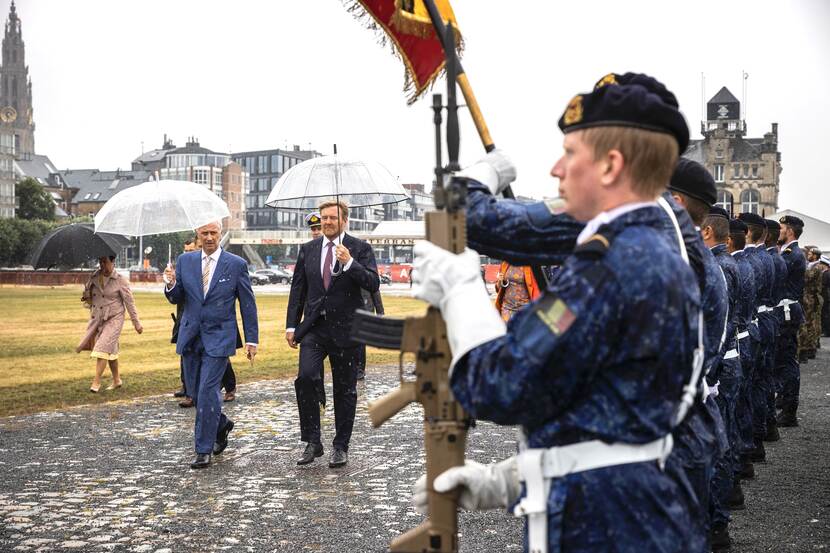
x=595, y=245
x=556, y=315
x=556, y=206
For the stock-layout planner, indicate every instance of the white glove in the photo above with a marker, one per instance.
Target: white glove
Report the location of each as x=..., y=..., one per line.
x=495, y=171
x=453, y=284
x=482, y=486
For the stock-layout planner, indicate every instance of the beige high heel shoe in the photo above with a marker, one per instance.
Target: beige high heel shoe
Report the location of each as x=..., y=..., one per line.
x=113, y=386
x=94, y=389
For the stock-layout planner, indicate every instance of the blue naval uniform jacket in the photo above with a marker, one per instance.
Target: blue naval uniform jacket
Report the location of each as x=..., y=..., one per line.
x=794, y=283
x=589, y=361
x=748, y=302
x=733, y=288
x=779, y=285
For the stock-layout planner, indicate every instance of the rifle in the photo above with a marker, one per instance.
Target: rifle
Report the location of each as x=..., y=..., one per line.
x=445, y=422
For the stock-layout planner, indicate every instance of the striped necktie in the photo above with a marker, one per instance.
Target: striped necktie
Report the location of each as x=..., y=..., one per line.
x=206, y=275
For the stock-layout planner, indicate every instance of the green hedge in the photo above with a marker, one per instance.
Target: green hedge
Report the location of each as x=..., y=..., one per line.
x=19, y=237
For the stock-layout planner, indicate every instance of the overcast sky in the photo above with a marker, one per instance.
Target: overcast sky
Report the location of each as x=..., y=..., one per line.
x=253, y=74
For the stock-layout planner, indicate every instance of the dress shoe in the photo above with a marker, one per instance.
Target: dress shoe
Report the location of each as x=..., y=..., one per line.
x=94, y=389
x=811, y=354
x=772, y=432
x=719, y=539
x=115, y=385
x=759, y=454
x=222, y=438
x=787, y=418
x=339, y=458
x=736, y=501
x=361, y=374
x=747, y=471
x=201, y=461
x=186, y=402
x=179, y=393
x=312, y=451
x=229, y=396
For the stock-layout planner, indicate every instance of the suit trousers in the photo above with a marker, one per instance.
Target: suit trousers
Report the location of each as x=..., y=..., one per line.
x=203, y=374
x=229, y=378
x=314, y=348
x=787, y=371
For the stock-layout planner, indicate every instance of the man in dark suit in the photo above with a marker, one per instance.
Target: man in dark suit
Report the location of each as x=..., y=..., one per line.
x=373, y=303
x=330, y=272
x=209, y=282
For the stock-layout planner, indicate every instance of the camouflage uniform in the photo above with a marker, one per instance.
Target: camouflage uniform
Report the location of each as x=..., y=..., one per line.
x=812, y=301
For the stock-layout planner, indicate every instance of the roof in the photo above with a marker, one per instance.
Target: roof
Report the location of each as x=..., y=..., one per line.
x=39, y=167
x=152, y=155
x=816, y=231
x=695, y=151
x=409, y=229
x=744, y=150
x=723, y=97
x=99, y=186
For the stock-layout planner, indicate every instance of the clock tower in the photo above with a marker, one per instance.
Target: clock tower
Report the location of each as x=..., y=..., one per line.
x=16, y=90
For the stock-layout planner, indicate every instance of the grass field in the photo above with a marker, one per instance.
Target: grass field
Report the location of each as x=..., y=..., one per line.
x=40, y=328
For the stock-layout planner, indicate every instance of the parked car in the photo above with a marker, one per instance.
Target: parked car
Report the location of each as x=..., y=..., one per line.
x=257, y=279
x=276, y=276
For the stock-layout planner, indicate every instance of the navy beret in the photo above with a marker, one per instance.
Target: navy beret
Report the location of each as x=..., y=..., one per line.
x=772, y=225
x=717, y=211
x=791, y=220
x=752, y=219
x=692, y=178
x=736, y=225
x=313, y=219
x=630, y=100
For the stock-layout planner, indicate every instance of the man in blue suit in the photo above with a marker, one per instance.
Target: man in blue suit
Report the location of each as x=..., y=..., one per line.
x=209, y=282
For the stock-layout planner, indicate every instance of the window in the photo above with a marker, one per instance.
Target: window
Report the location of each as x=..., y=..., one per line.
x=725, y=200
x=754, y=171
x=96, y=196
x=718, y=172
x=750, y=200
x=746, y=170
x=262, y=164
x=732, y=125
x=88, y=195
x=280, y=164
x=274, y=163
x=736, y=171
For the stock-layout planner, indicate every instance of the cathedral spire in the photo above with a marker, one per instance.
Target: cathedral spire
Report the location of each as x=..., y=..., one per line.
x=16, y=114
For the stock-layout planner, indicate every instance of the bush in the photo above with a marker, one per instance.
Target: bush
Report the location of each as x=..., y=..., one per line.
x=18, y=239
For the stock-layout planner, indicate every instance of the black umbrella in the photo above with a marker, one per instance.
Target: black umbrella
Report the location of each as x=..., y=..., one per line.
x=73, y=245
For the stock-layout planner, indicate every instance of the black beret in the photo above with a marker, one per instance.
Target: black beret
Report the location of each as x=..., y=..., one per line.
x=717, y=211
x=791, y=220
x=313, y=219
x=630, y=100
x=736, y=225
x=692, y=178
x=752, y=219
x=772, y=225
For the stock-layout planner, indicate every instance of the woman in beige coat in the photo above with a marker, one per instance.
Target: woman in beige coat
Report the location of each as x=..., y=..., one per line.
x=107, y=294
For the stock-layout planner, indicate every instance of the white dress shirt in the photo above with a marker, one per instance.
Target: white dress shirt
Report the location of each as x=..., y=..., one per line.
x=324, y=246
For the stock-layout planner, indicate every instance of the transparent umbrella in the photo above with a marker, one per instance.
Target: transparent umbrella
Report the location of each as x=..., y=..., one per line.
x=159, y=207
x=361, y=183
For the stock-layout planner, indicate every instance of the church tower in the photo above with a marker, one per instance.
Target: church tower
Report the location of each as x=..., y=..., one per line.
x=16, y=90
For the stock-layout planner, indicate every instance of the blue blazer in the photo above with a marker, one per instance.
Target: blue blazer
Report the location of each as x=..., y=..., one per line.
x=213, y=316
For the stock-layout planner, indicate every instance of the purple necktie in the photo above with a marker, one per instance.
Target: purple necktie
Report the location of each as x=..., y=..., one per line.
x=327, y=267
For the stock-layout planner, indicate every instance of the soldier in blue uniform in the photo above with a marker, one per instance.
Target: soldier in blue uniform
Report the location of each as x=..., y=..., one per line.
x=778, y=291
x=701, y=439
x=585, y=370
x=765, y=285
x=786, y=363
x=748, y=335
x=727, y=378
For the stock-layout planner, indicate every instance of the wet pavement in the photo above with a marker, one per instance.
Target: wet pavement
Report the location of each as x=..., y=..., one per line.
x=116, y=477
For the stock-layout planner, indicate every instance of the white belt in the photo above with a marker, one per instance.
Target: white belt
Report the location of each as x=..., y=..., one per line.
x=785, y=303
x=537, y=467
x=742, y=335
x=764, y=309
x=731, y=354
x=710, y=392
x=755, y=321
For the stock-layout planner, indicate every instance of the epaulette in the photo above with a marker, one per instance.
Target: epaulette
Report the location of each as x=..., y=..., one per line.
x=595, y=246
x=788, y=250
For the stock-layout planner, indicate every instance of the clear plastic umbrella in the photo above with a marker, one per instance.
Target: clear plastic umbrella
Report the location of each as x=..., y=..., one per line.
x=160, y=207
x=361, y=183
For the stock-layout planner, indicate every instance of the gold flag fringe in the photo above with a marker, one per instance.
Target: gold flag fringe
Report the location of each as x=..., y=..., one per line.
x=410, y=88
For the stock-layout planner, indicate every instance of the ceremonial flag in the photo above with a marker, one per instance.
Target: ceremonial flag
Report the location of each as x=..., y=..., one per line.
x=406, y=26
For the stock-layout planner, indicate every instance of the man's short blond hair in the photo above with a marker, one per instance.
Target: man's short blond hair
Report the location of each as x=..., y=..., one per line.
x=344, y=207
x=649, y=156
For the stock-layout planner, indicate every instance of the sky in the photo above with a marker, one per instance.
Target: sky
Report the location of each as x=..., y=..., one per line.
x=109, y=77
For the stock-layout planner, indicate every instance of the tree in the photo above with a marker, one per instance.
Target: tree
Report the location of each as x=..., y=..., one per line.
x=35, y=201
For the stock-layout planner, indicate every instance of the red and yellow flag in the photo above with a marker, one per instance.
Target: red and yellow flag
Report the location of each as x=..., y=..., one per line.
x=407, y=25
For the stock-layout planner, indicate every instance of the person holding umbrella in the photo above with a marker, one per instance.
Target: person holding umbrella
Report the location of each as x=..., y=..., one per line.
x=107, y=295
